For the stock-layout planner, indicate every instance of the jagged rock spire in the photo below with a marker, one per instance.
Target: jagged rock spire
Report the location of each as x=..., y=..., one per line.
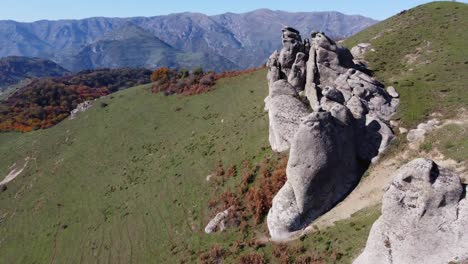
x=331, y=115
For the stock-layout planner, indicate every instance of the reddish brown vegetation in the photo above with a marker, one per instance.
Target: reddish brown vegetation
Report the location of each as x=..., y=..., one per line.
x=250, y=202
x=252, y=258
x=271, y=180
x=232, y=171
x=45, y=102
x=284, y=254
x=280, y=252
x=214, y=255
x=253, y=199
x=174, y=82
x=220, y=169
x=43, y=108
x=304, y=260
x=250, y=205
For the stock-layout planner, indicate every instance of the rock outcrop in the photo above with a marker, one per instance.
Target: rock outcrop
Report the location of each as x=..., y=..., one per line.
x=332, y=116
x=424, y=218
x=218, y=223
x=416, y=136
x=360, y=49
x=80, y=108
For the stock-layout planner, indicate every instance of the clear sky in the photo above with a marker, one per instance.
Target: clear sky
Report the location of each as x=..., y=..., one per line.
x=32, y=10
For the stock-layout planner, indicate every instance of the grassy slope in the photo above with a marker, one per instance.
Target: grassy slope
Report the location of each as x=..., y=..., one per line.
x=438, y=79
x=128, y=180
x=451, y=140
x=130, y=177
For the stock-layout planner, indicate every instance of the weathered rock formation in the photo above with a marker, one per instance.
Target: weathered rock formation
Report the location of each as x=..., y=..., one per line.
x=360, y=49
x=331, y=115
x=218, y=223
x=424, y=218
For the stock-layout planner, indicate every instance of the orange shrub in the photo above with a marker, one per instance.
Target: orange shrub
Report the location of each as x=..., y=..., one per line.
x=161, y=75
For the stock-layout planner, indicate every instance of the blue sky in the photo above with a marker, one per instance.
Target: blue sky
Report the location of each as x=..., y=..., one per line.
x=32, y=10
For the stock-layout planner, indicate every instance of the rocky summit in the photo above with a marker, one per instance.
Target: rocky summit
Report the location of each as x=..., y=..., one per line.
x=333, y=118
x=424, y=218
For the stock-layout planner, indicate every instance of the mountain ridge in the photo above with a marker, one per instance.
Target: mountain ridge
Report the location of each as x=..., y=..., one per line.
x=185, y=12
x=14, y=69
x=244, y=40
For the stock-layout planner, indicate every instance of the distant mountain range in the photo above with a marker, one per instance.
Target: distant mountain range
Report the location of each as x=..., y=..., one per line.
x=221, y=42
x=15, y=69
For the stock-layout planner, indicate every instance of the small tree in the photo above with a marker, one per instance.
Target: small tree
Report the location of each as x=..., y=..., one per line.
x=160, y=75
x=184, y=73
x=197, y=71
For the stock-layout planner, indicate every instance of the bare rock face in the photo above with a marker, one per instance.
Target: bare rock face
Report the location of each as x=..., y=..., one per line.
x=424, y=218
x=332, y=116
x=284, y=111
x=315, y=182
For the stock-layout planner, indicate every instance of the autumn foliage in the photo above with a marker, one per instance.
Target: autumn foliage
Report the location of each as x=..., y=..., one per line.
x=253, y=198
x=45, y=102
x=252, y=258
x=214, y=255
x=183, y=82
x=161, y=75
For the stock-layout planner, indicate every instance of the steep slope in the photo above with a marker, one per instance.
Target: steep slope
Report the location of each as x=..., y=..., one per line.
x=192, y=32
x=131, y=46
x=226, y=36
x=258, y=30
x=52, y=39
x=15, y=69
x=142, y=164
x=127, y=182
x=422, y=53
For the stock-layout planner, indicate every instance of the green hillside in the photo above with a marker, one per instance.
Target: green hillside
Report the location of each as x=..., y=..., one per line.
x=128, y=180
x=422, y=53
x=125, y=182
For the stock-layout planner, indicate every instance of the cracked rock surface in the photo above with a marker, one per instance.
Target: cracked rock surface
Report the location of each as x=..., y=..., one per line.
x=333, y=118
x=424, y=218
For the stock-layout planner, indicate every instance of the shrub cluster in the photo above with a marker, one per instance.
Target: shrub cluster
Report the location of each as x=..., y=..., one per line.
x=253, y=198
x=188, y=82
